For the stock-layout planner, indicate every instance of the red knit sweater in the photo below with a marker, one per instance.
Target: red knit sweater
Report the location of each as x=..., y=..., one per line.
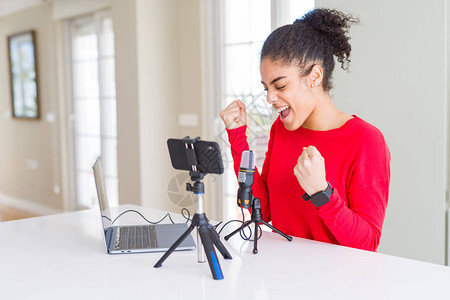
x=357, y=163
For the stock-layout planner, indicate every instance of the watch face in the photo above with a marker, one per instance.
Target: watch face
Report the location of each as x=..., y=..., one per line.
x=320, y=199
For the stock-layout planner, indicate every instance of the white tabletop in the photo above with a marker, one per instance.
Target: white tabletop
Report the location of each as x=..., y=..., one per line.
x=63, y=257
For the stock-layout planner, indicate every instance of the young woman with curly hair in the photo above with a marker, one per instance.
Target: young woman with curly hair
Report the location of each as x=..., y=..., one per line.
x=326, y=173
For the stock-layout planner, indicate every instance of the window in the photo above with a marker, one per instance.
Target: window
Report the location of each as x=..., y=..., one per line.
x=245, y=25
x=92, y=112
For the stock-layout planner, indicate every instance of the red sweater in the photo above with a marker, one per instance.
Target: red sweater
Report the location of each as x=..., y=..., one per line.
x=357, y=166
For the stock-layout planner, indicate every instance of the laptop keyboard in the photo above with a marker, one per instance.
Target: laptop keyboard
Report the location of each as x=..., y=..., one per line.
x=138, y=237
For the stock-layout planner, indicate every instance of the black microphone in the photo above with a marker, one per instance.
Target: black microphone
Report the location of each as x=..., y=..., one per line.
x=245, y=178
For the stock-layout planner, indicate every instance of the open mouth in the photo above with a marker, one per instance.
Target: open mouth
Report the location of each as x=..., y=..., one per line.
x=284, y=111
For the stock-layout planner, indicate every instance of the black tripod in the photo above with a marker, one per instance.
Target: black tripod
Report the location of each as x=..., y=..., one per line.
x=206, y=231
x=256, y=218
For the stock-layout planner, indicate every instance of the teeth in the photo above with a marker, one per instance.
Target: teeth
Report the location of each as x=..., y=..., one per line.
x=282, y=108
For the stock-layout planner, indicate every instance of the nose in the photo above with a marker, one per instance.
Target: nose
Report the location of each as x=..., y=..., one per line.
x=271, y=98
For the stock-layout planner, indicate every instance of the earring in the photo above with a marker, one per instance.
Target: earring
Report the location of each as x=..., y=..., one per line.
x=315, y=84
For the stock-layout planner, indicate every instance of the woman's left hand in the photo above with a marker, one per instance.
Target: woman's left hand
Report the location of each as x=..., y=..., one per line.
x=310, y=171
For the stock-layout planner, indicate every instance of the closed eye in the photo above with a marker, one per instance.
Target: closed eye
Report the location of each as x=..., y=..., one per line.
x=281, y=87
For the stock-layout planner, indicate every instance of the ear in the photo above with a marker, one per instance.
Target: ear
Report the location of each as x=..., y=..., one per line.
x=316, y=76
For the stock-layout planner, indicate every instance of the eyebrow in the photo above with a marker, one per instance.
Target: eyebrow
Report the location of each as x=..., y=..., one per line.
x=275, y=80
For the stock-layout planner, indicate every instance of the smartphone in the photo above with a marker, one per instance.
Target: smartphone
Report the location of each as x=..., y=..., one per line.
x=209, y=159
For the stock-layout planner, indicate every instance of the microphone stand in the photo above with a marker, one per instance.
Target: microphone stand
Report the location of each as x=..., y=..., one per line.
x=256, y=218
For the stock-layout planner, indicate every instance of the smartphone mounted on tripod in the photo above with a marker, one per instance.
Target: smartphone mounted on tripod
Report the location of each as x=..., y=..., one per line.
x=189, y=154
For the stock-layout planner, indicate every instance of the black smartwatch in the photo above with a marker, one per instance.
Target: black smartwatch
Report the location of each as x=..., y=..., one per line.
x=320, y=198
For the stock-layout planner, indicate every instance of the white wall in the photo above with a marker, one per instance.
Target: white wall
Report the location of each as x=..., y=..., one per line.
x=35, y=141
x=189, y=63
x=127, y=97
x=397, y=82
x=170, y=84
x=158, y=92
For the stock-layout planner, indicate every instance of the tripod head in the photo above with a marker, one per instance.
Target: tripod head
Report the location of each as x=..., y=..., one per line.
x=198, y=187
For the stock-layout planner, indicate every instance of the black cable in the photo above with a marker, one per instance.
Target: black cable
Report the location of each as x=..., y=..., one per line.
x=243, y=235
x=217, y=225
x=183, y=211
x=260, y=233
x=241, y=232
x=135, y=211
x=188, y=218
x=227, y=224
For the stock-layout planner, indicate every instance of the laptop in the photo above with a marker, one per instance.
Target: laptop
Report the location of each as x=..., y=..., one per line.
x=140, y=238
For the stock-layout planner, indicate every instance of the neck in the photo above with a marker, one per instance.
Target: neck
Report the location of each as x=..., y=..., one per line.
x=325, y=115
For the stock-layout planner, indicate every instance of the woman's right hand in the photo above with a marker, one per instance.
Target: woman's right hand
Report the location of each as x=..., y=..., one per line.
x=234, y=115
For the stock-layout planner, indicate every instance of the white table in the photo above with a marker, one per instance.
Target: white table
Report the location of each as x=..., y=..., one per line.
x=63, y=257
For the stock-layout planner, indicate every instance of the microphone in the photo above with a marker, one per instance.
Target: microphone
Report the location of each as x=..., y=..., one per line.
x=245, y=178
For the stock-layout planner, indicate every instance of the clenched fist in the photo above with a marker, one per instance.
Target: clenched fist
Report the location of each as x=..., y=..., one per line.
x=234, y=115
x=310, y=171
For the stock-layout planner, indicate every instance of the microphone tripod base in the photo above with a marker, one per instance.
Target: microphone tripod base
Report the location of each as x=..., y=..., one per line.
x=256, y=218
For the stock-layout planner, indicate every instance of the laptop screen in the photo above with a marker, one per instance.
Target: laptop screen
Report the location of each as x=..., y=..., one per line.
x=101, y=193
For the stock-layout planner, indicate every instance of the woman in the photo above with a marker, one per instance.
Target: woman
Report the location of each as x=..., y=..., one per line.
x=326, y=173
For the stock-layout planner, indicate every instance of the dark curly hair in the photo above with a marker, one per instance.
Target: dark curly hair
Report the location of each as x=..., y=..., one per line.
x=314, y=39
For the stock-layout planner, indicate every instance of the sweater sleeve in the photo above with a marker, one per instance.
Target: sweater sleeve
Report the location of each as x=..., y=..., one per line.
x=238, y=141
x=358, y=222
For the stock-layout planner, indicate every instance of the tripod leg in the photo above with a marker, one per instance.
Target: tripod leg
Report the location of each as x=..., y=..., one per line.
x=210, y=252
x=216, y=240
x=247, y=223
x=289, y=238
x=174, y=246
x=255, y=239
